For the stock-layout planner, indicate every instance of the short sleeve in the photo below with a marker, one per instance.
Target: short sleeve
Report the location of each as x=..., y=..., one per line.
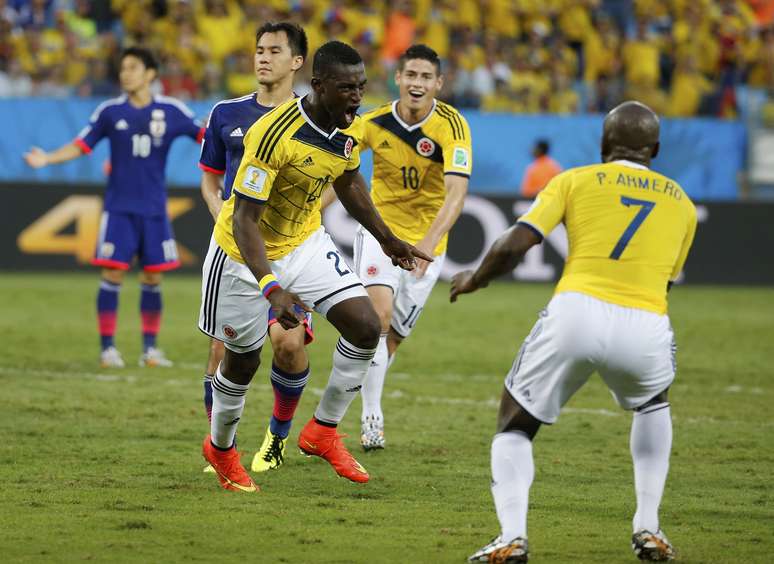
x=548, y=209
x=99, y=125
x=255, y=177
x=457, y=146
x=213, y=155
x=686, y=246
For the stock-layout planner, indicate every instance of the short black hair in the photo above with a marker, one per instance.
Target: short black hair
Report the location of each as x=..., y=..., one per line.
x=299, y=46
x=143, y=54
x=420, y=51
x=542, y=146
x=332, y=54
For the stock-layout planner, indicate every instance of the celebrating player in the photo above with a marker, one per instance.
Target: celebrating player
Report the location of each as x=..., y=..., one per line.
x=270, y=250
x=422, y=162
x=630, y=230
x=141, y=128
x=281, y=49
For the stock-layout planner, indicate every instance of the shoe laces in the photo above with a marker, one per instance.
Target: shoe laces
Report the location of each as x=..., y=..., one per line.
x=274, y=452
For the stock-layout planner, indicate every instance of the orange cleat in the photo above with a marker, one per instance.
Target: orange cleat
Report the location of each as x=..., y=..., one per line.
x=325, y=442
x=229, y=469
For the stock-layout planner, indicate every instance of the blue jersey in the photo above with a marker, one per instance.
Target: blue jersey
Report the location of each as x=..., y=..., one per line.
x=223, y=148
x=140, y=139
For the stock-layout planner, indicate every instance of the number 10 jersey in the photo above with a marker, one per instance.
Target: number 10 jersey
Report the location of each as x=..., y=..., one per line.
x=410, y=162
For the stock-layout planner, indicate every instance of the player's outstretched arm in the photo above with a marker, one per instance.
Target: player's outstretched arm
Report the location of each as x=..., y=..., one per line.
x=456, y=190
x=38, y=158
x=249, y=240
x=212, y=192
x=353, y=193
x=503, y=257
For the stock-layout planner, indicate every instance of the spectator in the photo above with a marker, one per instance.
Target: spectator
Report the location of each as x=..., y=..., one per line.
x=540, y=171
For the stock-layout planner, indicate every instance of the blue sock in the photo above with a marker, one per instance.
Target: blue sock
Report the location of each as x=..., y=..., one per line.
x=287, y=393
x=150, y=312
x=208, y=395
x=107, y=308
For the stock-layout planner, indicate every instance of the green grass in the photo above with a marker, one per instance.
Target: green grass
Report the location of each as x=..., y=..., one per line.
x=106, y=465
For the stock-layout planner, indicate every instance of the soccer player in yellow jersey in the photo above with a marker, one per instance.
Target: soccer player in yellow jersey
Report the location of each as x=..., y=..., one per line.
x=630, y=230
x=422, y=162
x=270, y=250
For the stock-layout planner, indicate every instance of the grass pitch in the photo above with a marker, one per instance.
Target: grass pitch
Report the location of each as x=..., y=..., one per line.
x=106, y=465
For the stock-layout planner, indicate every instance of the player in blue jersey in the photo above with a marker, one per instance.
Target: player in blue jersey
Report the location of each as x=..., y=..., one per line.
x=281, y=49
x=141, y=128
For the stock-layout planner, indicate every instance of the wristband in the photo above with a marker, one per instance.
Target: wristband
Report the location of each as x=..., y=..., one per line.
x=268, y=284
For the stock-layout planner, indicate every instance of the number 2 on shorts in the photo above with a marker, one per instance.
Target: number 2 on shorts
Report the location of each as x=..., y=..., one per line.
x=336, y=257
x=646, y=208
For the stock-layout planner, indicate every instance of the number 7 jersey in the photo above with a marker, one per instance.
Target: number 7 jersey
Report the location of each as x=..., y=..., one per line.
x=629, y=230
x=410, y=162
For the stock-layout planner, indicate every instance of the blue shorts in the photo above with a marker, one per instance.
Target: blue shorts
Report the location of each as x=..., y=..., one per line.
x=122, y=236
x=309, y=336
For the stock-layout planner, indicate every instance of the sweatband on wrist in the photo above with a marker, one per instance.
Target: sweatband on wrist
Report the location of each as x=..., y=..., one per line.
x=268, y=284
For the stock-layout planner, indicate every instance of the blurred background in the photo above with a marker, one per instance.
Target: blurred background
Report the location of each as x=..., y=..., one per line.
x=533, y=78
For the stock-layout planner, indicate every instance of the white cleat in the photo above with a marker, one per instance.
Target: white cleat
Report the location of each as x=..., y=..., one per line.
x=372, y=432
x=111, y=358
x=154, y=357
x=652, y=546
x=501, y=552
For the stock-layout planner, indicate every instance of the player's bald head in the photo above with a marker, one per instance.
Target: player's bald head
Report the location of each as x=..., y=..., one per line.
x=631, y=132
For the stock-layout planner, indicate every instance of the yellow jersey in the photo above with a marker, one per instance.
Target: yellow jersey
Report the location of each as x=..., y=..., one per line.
x=410, y=162
x=629, y=230
x=287, y=164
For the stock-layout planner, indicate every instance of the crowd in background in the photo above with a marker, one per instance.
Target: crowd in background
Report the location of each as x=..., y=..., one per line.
x=682, y=57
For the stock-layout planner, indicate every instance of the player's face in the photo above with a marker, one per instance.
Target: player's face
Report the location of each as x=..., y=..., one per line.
x=342, y=92
x=274, y=60
x=133, y=75
x=418, y=82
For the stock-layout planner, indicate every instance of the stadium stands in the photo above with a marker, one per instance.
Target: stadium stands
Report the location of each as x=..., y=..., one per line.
x=684, y=58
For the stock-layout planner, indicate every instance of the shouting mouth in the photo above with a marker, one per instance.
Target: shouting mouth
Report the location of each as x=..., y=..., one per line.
x=350, y=113
x=416, y=94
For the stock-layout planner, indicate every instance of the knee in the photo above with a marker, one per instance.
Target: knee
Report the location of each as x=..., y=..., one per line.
x=368, y=331
x=150, y=278
x=240, y=368
x=113, y=275
x=289, y=353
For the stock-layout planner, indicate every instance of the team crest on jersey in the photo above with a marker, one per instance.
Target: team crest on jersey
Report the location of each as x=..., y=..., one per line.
x=372, y=270
x=106, y=250
x=157, y=126
x=229, y=331
x=348, y=147
x=425, y=147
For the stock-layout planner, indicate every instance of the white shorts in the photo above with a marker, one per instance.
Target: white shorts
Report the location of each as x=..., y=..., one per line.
x=409, y=292
x=233, y=309
x=632, y=349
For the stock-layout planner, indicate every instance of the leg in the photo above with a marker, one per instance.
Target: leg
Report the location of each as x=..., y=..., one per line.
x=150, y=315
x=381, y=298
x=107, y=312
x=358, y=324
x=214, y=357
x=651, y=443
x=289, y=375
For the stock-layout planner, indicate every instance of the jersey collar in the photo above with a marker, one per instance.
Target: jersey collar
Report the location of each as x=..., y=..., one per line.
x=328, y=136
x=630, y=164
x=406, y=126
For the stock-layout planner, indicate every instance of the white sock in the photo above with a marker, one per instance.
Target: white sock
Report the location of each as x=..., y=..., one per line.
x=228, y=401
x=350, y=366
x=512, y=474
x=374, y=382
x=651, y=443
